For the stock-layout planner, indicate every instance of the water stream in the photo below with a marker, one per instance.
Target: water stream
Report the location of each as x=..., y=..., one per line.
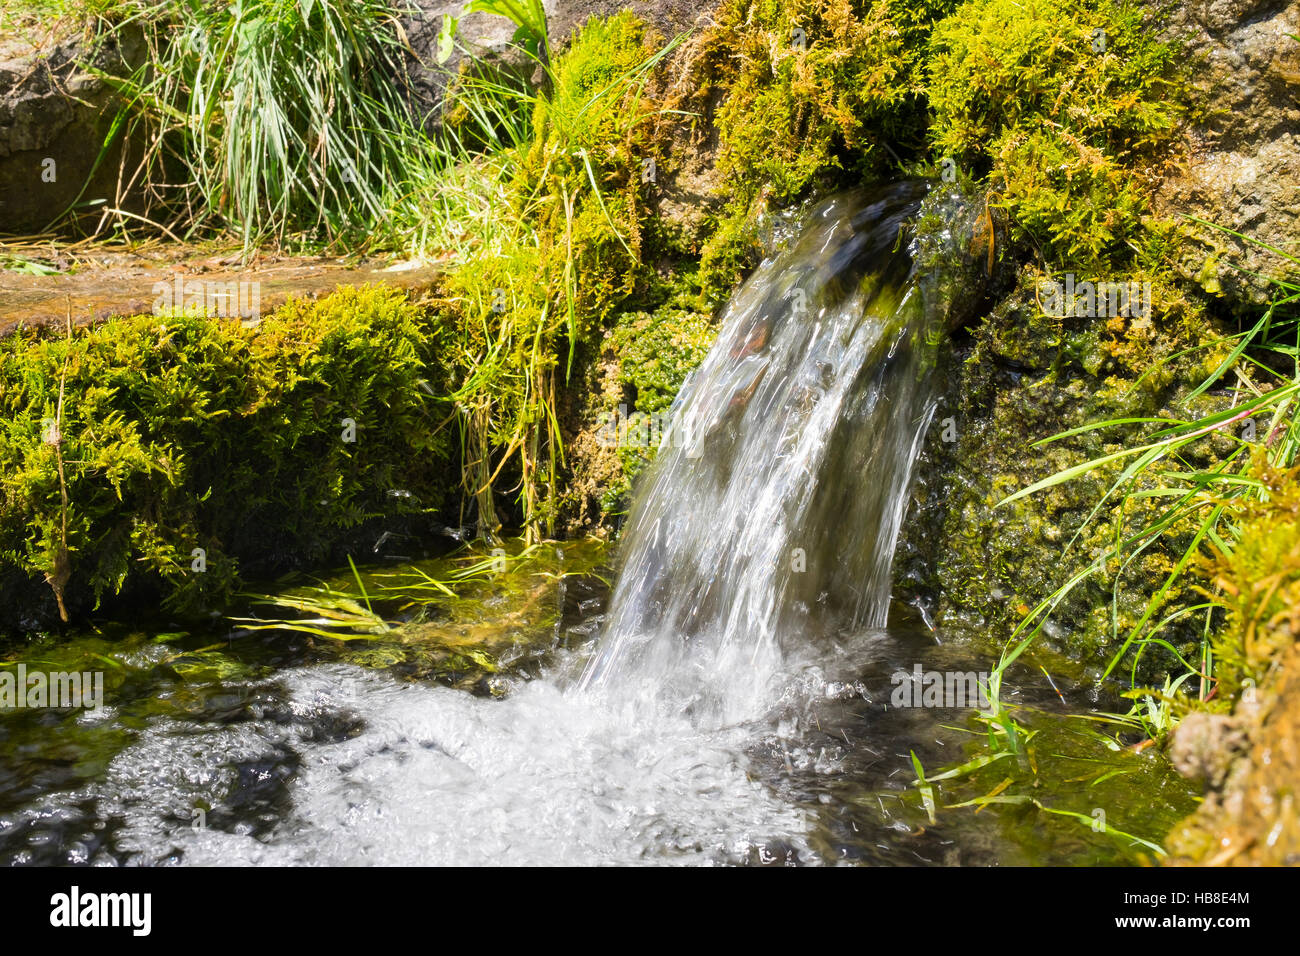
x=772, y=514
x=726, y=703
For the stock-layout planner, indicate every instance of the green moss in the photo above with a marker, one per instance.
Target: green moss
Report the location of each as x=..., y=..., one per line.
x=1092, y=68
x=648, y=356
x=814, y=94
x=1065, y=103
x=1069, y=200
x=728, y=256
x=182, y=432
x=816, y=86
x=657, y=351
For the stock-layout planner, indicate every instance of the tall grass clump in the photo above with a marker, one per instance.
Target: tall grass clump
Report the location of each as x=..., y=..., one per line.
x=535, y=198
x=274, y=118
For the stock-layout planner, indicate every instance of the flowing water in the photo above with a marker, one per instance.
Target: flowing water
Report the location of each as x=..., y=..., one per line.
x=728, y=702
x=773, y=512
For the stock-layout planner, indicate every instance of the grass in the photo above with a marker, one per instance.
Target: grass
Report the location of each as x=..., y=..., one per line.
x=288, y=126
x=26, y=265
x=1188, y=507
x=23, y=13
x=1166, y=497
x=1060, y=767
x=532, y=198
x=338, y=612
x=284, y=116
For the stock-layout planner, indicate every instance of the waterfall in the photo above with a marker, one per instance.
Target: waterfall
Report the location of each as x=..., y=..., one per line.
x=733, y=710
x=770, y=516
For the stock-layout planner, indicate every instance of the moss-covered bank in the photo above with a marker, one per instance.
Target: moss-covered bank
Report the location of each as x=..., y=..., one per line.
x=167, y=456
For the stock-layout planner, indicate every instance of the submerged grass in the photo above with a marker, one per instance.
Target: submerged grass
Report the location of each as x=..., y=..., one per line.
x=475, y=614
x=1078, y=771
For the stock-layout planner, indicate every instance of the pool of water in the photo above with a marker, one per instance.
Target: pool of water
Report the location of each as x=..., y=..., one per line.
x=237, y=747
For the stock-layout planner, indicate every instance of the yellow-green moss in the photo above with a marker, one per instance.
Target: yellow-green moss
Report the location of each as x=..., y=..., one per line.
x=182, y=432
x=817, y=93
x=1258, y=581
x=1065, y=103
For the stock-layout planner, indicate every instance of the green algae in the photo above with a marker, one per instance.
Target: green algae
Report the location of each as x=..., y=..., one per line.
x=1024, y=377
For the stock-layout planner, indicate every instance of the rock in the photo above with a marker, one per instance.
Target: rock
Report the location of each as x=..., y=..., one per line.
x=486, y=37
x=1204, y=746
x=668, y=17
x=1243, y=168
x=54, y=116
x=1251, y=818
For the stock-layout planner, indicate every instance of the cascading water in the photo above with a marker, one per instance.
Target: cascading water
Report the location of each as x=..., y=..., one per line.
x=705, y=726
x=775, y=506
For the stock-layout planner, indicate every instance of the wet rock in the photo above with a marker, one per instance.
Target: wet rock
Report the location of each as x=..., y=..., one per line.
x=109, y=282
x=1204, y=746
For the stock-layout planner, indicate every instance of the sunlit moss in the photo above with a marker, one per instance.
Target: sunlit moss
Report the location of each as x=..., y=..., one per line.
x=1066, y=103
x=182, y=432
